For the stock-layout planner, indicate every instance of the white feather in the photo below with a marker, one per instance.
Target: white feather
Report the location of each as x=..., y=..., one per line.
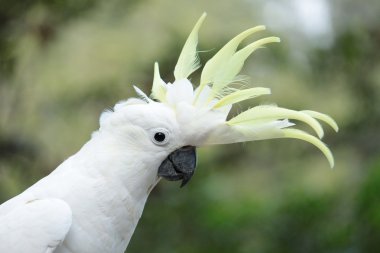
x=34, y=226
x=142, y=95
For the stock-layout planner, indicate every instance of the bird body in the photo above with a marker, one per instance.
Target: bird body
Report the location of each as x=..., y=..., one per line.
x=93, y=201
x=103, y=196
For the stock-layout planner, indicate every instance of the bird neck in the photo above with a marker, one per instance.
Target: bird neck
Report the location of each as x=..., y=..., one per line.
x=120, y=182
x=118, y=162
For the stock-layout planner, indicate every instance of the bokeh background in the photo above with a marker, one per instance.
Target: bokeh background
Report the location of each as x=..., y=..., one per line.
x=63, y=62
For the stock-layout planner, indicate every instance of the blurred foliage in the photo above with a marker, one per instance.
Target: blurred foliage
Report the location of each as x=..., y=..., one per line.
x=63, y=62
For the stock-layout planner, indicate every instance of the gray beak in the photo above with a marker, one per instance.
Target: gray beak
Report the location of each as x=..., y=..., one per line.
x=179, y=165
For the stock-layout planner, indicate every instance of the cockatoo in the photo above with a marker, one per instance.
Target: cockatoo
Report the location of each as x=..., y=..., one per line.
x=93, y=201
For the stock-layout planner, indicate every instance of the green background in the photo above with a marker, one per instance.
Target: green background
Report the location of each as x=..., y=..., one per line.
x=63, y=62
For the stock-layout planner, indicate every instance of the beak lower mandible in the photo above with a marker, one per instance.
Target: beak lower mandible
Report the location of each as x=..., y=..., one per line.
x=179, y=165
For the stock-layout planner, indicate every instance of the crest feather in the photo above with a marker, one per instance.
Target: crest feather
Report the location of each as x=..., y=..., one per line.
x=323, y=117
x=159, y=86
x=301, y=135
x=241, y=95
x=142, y=95
x=232, y=67
x=223, y=67
x=271, y=113
x=208, y=106
x=214, y=64
x=188, y=60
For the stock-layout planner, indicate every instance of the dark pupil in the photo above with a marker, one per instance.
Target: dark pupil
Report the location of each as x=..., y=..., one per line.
x=160, y=137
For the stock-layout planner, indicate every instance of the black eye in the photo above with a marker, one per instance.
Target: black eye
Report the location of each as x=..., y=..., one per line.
x=159, y=136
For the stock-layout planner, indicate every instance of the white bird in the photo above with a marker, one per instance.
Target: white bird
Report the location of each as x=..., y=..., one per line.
x=92, y=202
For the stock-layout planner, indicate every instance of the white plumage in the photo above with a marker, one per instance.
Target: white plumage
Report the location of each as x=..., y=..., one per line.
x=92, y=202
x=103, y=189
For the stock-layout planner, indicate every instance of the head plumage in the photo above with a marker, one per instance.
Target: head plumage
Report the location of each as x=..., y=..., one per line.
x=214, y=96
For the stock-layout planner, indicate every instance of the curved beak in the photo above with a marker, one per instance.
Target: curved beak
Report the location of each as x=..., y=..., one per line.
x=179, y=165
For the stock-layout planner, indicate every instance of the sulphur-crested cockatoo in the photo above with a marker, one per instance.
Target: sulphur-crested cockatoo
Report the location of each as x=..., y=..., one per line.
x=93, y=200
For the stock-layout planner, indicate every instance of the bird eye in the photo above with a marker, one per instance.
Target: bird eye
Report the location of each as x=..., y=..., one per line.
x=160, y=136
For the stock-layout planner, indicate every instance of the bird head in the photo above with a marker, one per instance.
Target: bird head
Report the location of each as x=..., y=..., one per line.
x=176, y=118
